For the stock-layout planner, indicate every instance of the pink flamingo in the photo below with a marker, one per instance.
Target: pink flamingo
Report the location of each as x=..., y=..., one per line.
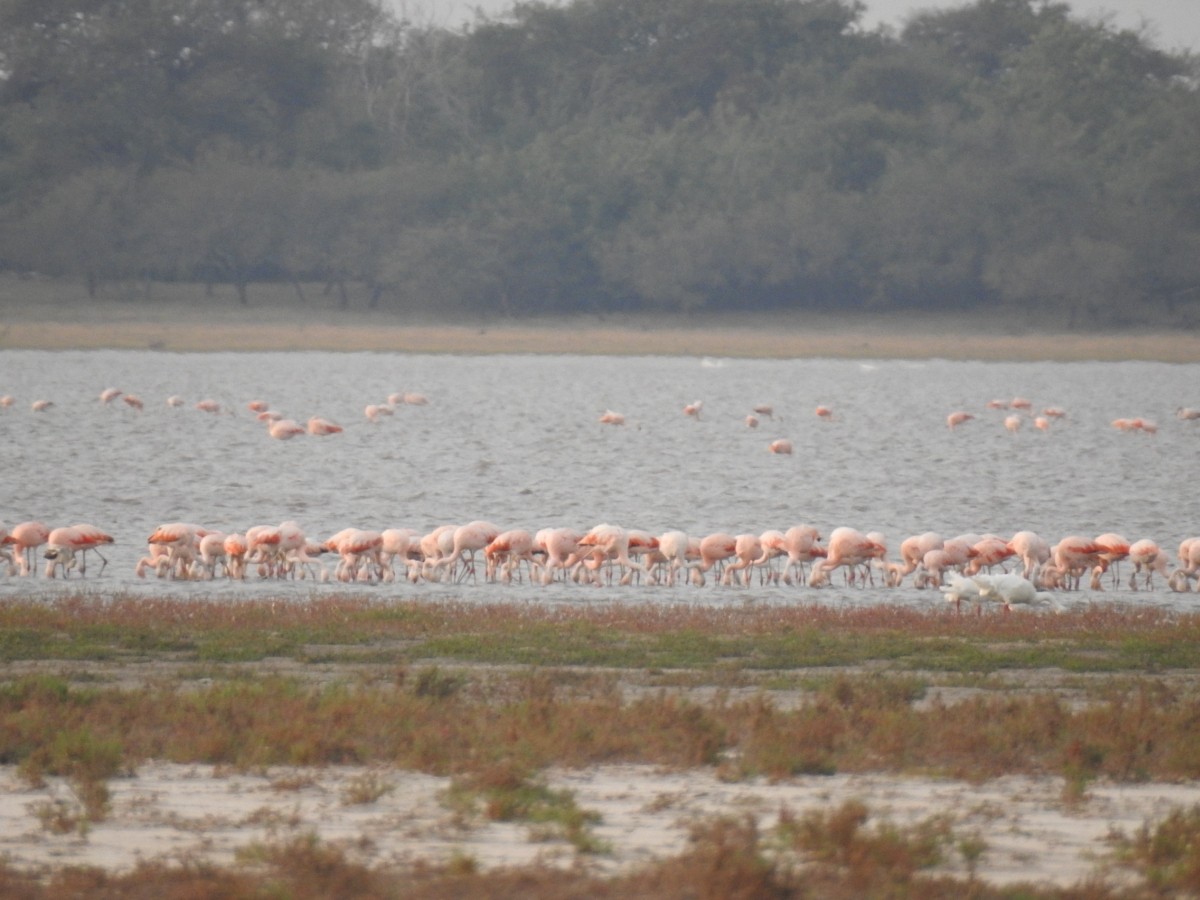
x=134, y=402
x=1113, y=549
x=174, y=400
x=235, y=555
x=1031, y=549
x=714, y=550
x=25, y=538
x=912, y=552
x=824, y=413
x=611, y=418
x=764, y=409
x=285, y=429
x=611, y=543
x=781, y=446
x=1012, y=424
x=747, y=548
x=1074, y=555
x=108, y=395
x=398, y=544
x=506, y=553
x=1189, y=565
x=321, y=427
x=846, y=547
x=989, y=551
x=561, y=546
x=209, y=406
x=693, y=409
x=63, y=543
x=469, y=539
x=41, y=405
x=802, y=544
x=751, y=421
x=957, y=418
x=1146, y=557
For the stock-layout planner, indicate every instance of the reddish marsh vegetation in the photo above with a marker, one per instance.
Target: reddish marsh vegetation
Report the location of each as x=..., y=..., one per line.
x=491, y=695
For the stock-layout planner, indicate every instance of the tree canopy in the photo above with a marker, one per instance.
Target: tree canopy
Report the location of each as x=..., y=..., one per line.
x=605, y=155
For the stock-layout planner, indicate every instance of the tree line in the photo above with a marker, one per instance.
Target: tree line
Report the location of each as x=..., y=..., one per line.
x=605, y=155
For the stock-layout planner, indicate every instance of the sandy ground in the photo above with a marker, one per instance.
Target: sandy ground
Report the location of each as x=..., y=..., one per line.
x=36, y=317
x=173, y=813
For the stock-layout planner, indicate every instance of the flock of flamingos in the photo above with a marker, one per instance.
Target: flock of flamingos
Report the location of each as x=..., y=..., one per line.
x=1021, y=569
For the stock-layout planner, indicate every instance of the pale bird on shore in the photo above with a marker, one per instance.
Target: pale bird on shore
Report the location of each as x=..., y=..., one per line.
x=781, y=446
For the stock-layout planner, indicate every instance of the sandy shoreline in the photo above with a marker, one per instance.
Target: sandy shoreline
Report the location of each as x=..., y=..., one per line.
x=191, y=327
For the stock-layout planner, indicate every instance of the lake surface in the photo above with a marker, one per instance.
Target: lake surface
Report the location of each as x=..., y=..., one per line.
x=515, y=440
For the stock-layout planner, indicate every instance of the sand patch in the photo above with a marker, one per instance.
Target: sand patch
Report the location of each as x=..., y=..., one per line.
x=177, y=812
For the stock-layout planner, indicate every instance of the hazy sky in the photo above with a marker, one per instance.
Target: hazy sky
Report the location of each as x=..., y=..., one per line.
x=1175, y=23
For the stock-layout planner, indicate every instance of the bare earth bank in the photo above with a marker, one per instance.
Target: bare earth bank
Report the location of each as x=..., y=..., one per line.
x=38, y=317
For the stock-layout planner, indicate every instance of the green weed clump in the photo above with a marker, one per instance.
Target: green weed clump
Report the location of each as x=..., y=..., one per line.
x=506, y=792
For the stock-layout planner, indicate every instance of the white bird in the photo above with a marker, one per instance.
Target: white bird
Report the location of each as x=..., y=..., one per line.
x=1011, y=588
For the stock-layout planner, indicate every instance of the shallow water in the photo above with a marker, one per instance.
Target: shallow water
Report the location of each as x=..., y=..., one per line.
x=515, y=440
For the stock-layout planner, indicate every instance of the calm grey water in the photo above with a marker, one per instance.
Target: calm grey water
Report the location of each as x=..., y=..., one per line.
x=514, y=440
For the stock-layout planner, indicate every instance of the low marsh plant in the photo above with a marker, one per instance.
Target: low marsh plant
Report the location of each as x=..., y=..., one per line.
x=884, y=854
x=507, y=792
x=1166, y=854
x=366, y=788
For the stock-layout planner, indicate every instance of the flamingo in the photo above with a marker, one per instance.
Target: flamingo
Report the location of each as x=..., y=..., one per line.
x=781, y=446
x=257, y=406
x=468, y=540
x=989, y=551
x=1187, y=414
x=506, y=553
x=134, y=402
x=764, y=409
x=209, y=406
x=210, y=553
x=360, y=552
x=374, y=411
x=824, y=413
x=6, y=401
x=1041, y=423
x=1031, y=549
x=1054, y=412
x=1073, y=556
x=611, y=418
x=1012, y=424
x=41, y=405
x=182, y=540
x=1020, y=403
x=321, y=427
x=802, y=543
x=612, y=542
x=747, y=548
x=1114, y=548
x=63, y=543
x=693, y=409
x=235, y=555
x=25, y=538
x=714, y=549
x=912, y=551
x=751, y=421
x=1147, y=557
x=1189, y=565
x=957, y=418
x=673, y=553
x=108, y=395
x=398, y=543
x=561, y=546
x=846, y=547
x=285, y=429
x=174, y=401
